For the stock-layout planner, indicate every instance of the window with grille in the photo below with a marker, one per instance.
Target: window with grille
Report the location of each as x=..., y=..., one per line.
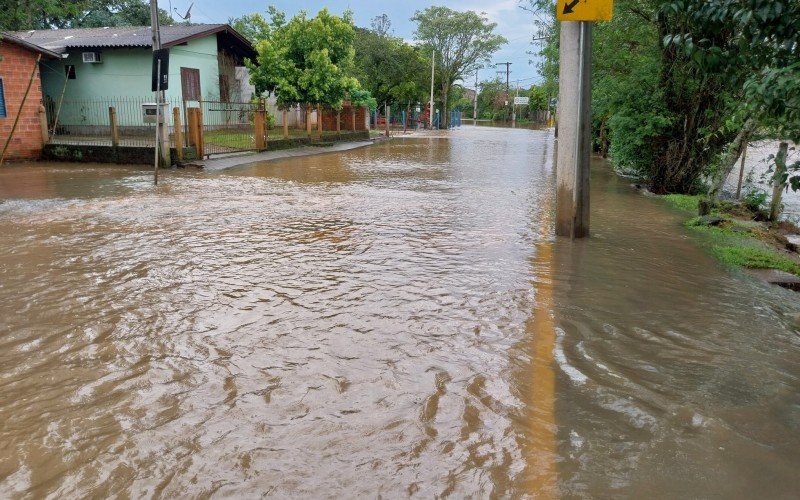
x=190, y=84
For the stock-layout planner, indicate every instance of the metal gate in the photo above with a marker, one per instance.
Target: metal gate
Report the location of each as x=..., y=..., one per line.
x=228, y=127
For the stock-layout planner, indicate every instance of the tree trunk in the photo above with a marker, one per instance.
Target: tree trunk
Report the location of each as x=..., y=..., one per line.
x=778, y=181
x=728, y=161
x=604, y=137
x=444, y=118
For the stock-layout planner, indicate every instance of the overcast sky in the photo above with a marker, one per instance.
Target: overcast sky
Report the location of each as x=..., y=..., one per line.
x=512, y=22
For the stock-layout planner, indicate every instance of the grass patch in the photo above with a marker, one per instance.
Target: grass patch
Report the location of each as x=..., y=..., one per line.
x=233, y=139
x=736, y=244
x=243, y=139
x=685, y=202
x=755, y=258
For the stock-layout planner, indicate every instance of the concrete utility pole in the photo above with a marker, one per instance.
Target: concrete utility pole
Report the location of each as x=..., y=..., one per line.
x=574, y=132
x=162, y=133
x=433, y=66
x=475, y=101
x=508, y=81
x=514, y=109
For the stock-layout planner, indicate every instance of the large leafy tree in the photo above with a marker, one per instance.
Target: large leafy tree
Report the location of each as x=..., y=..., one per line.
x=393, y=71
x=461, y=42
x=47, y=14
x=305, y=60
x=755, y=44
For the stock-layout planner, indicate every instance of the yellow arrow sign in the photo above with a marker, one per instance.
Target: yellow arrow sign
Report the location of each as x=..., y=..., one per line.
x=584, y=10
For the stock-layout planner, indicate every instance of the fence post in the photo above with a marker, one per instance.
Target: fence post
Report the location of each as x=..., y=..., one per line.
x=190, y=119
x=308, y=119
x=388, y=115
x=200, y=138
x=285, y=123
x=319, y=120
x=338, y=122
x=178, y=128
x=196, y=130
x=43, y=125
x=112, y=120
x=353, y=112
x=258, y=128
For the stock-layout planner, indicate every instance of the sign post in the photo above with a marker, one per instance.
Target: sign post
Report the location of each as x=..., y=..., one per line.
x=574, y=112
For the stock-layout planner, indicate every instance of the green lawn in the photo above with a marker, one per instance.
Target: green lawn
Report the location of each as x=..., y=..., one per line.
x=236, y=139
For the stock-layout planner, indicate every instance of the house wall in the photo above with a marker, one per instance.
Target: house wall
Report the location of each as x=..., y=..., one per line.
x=15, y=69
x=124, y=75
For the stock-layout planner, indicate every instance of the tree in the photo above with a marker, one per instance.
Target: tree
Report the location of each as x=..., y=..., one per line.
x=756, y=45
x=491, y=100
x=392, y=70
x=47, y=14
x=102, y=13
x=461, y=41
x=255, y=27
x=305, y=60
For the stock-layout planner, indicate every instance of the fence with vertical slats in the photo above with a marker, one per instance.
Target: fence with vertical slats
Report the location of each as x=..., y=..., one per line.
x=228, y=126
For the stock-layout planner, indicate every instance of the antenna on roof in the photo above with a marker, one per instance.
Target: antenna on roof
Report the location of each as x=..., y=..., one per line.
x=188, y=16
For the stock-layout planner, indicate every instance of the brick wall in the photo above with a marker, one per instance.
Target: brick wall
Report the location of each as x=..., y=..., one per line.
x=329, y=119
x=15, y=70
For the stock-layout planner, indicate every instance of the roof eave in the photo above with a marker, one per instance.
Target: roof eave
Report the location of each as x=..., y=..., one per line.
x=30, y=46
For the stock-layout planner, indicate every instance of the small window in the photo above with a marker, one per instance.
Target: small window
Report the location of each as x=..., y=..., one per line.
x=2, y=100
x=69, y=71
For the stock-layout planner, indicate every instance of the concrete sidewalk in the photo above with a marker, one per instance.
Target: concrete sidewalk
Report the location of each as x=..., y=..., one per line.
x=238, y=160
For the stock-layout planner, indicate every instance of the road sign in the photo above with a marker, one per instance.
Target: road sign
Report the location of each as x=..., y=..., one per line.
x=584, y=10
x=521, y=100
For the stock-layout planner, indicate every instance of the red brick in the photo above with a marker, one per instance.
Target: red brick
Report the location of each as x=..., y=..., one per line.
x=15, y=69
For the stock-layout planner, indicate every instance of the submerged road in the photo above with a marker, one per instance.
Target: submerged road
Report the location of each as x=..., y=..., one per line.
x=397, y=320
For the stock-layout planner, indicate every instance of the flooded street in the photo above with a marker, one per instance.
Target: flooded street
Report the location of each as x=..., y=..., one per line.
x=391, y=321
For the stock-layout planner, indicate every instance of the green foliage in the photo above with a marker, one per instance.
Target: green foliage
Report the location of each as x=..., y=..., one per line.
x=742, y=248
x=747, y=51
x=255, y=27
x=538, y=98
x=46, y=14
x=754, y=257
x=461, y=42
x=305, y=60
x=685, y=202
x=393, y=71
x=361, y=97
x=491, y=100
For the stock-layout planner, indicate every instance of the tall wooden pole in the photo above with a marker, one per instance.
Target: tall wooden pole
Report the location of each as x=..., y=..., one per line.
x=574, y=147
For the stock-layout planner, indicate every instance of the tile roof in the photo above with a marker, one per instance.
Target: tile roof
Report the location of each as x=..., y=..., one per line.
x=121, y=36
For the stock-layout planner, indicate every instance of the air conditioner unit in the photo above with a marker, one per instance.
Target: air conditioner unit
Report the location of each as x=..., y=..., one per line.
x=92, y=57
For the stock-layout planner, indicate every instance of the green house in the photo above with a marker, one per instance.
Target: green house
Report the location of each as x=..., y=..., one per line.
x=104, y=67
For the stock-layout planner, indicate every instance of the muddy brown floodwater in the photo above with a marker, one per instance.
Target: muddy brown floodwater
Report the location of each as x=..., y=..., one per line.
x=391, y=321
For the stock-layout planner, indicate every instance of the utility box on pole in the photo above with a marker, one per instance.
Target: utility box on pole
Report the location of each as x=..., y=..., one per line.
x=575, y=112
